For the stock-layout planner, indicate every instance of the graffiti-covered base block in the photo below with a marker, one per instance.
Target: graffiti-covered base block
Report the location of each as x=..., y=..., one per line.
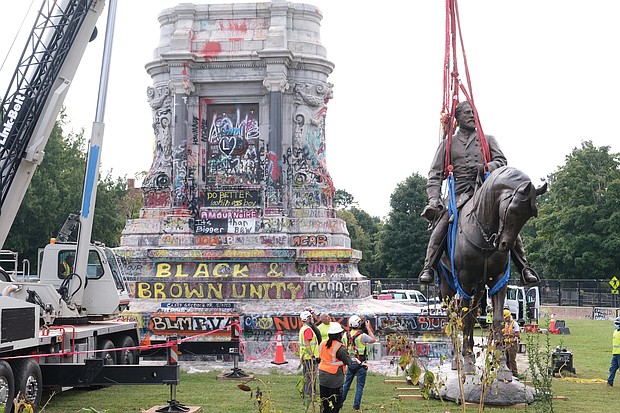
x=261, y=321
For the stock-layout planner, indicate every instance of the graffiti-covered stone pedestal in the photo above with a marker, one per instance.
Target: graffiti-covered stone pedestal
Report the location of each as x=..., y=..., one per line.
x=238, y=200
x=238, y=213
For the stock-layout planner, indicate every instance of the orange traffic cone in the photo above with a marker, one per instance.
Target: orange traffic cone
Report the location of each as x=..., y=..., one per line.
x=146, y=341
x=279, y=359
x=552, y=324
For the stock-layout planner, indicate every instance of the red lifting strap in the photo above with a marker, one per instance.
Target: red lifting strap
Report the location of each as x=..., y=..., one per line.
x=452, y=85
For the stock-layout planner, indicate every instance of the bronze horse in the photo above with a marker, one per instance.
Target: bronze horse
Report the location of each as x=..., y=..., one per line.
x=487, y=227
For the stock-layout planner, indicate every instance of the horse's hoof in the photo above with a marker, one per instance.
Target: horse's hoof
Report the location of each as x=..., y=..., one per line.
x=504, y=375
x=469, y=369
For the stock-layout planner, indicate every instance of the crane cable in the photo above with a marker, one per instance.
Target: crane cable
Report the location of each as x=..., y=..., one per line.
x=452, y=85
x=16, y=36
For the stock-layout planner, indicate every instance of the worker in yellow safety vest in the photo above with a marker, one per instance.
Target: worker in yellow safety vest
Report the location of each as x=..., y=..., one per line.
x=489, y=316
x=309, y=355
x=66, y=266
x=325, y=324
x=512, y=332
x=615, y=354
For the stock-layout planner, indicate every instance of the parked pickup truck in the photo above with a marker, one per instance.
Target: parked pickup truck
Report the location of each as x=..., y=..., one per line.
x=414, y=298
x=406, y=296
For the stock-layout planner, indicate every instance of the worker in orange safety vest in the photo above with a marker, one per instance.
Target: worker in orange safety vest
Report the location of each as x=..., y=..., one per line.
x=334, y=359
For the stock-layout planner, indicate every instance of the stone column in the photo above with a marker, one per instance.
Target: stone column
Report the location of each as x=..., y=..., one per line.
x=278, y=58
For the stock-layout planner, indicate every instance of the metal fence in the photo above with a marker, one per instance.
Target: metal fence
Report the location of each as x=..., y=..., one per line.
x=579, y=293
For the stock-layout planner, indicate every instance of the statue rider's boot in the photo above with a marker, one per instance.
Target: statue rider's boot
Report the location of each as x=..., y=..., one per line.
x=528, y=275
x=427, y=276
x=434, y=251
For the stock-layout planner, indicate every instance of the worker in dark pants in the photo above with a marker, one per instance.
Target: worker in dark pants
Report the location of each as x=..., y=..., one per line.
x=615, y=354
x=512, y=332
x=334, y=362
x=356, y=340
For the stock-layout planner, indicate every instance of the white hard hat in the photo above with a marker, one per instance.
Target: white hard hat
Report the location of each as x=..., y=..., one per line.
x=334, y=328
x=354, y=321
x=305, y=315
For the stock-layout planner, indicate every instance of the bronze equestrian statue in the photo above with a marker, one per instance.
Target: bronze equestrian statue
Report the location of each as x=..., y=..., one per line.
x=479, y=249
x=467, y=162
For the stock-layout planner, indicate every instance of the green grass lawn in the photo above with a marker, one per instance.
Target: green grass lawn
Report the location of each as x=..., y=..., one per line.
x=590, y=342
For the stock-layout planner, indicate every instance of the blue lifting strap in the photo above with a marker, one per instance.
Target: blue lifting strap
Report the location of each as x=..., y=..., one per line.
x=453, y=281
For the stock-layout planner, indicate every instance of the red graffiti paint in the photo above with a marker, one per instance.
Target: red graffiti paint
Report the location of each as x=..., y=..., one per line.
x=238, y=26
x=156, y=199
x=234, y=26
x=273, y=166
x=211, y=49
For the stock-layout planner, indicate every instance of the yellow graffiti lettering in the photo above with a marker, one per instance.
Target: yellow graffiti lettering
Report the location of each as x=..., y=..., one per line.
x=235, y=294
x=175, y=291
x=202, y=270
x=256, y=291
x=216, y=270
x=216, y=289
x=144, y=290
x=293, y=289
x=198, y=291
x=273, y=270
x=180, y=271
x=240, y=272
x=279, y=286
x=158, y=291
x=163, y=270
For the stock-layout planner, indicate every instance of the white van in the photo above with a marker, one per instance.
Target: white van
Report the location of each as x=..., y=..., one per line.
x=523, y=303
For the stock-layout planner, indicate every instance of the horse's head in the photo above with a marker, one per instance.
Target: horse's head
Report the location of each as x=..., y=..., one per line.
x=516, y=206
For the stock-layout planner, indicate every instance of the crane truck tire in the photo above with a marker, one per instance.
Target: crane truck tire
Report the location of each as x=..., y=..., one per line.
x=28, y=380
x=7, y=386
x=4, y=276
x=108, y=354
x=126, y=356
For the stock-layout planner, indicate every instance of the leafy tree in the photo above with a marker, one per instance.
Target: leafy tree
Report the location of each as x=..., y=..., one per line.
x=56, y=191
x=359, y=239
x=342, y=199
x=132, y=203
x=577, y=233
x=364, y=230
x=110, y=213
x=404, y=235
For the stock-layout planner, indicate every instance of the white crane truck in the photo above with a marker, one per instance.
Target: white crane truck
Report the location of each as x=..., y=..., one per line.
x=63, y=329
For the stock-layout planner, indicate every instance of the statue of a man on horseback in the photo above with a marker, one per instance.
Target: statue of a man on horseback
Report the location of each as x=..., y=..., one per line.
x=468, y=169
